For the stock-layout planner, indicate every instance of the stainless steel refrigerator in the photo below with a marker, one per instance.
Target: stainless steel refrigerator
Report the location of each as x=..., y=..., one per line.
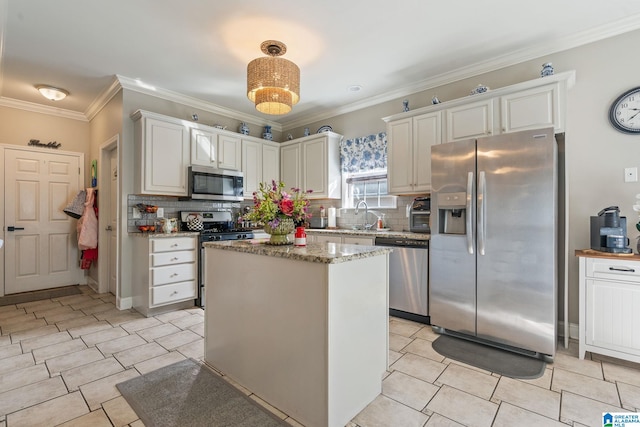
x=493, y=270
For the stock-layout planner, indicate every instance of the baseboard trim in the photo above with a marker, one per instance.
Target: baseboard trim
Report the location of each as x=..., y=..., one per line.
x=124, y=303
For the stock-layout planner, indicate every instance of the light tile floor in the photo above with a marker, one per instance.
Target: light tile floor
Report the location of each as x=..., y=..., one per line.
x=61, y=358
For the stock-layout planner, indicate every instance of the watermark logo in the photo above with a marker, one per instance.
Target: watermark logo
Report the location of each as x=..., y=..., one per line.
x=620, y=419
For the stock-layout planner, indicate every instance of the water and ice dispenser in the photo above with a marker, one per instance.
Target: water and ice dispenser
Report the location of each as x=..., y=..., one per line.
x=452, y=213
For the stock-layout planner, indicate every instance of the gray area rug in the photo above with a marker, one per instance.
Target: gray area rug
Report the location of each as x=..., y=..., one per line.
x=39, y=295
x=489, y=358
x=187, y=393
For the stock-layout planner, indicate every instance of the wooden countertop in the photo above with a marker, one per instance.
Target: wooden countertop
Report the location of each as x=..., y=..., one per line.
x=590, y=253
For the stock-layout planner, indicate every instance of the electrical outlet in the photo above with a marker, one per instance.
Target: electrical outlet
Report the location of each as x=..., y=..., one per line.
x=160, y=213
x=136, y=213
x=630, y=174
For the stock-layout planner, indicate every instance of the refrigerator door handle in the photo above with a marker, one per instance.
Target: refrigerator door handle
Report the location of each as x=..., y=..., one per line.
x=469, y=215
x=482, y=211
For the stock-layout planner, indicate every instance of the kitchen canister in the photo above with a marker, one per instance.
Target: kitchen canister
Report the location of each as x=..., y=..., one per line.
x=300, y=238
x=331, y=213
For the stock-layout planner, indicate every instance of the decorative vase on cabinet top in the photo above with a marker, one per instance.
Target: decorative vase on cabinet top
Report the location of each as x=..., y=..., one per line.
x=267, y=133
x=547, y=70
x=244, y=129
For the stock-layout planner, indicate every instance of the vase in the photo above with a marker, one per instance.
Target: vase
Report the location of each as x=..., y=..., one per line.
x=279, y=235
x=547, y=70
x=267, y=133
x=244, y=129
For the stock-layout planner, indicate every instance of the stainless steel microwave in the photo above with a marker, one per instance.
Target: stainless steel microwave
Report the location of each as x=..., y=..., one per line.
x=215, y=184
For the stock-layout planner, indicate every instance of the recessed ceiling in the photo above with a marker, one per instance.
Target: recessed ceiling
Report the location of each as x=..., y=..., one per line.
x=200, y=49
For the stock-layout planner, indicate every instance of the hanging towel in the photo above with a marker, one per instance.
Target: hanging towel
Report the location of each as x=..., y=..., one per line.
x=75, y=208
x=88, y=224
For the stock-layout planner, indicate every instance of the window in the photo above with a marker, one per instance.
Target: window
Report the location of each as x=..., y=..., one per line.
x=369, y=186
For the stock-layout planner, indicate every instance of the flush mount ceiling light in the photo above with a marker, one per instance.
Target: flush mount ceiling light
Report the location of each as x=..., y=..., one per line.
x=52, y=93
x=273, y=83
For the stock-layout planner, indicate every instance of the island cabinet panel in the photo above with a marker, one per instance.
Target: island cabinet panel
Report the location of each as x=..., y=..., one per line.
x=609, y=298
x=310, y=338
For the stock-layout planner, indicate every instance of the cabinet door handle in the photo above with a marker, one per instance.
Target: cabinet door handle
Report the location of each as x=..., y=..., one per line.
x=625, y=269
x=174, y=274
x=174, y=258
x=173, y=293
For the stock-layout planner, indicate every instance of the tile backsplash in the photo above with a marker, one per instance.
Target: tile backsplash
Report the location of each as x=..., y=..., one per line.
x=396, y=219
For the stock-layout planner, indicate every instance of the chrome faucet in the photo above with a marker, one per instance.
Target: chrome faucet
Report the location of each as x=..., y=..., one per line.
x=366, y=214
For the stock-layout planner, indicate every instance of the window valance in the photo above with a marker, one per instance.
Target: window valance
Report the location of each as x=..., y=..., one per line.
x=364, y=154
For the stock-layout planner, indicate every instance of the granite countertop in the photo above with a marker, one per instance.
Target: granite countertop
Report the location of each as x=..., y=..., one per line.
x=326, y=253
x=164, y=235
x=369, y=233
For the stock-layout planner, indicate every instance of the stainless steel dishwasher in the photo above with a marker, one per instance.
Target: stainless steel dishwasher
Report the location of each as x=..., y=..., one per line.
x=408, y=277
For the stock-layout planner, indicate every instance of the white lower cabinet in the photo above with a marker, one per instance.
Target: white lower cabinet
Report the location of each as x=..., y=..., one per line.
x=165, y=273
x=610, y=307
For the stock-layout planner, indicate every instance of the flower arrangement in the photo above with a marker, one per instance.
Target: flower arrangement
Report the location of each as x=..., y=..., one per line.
x=271, y=204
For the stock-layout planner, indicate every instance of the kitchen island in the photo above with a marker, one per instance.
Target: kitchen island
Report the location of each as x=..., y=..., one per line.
x=304, y=328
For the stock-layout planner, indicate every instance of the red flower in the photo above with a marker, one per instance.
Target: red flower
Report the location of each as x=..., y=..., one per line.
x=286, y=206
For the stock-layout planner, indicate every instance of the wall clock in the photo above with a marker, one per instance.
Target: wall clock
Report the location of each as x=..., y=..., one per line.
x=624, y=113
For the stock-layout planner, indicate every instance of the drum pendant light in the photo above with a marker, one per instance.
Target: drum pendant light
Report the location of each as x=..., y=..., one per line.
x=273, y=83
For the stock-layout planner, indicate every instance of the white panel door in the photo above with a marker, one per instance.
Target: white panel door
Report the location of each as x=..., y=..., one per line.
x=42, y=251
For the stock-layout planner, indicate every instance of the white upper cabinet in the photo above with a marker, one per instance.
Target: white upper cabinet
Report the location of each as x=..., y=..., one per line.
x=313, y=163
x=409, y=152
x=215, y=148
x=229, y=152
x=470, y=120
x=290, y=165
x=204, y=148
x=532, y=104
x=162, y=154
x=260, y=163
x=532, y=109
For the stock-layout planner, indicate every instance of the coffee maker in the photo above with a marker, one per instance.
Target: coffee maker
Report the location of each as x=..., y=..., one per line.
x=609, y=232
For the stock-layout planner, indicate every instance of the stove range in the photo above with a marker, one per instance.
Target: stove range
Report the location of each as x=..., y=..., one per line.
x=214, y=226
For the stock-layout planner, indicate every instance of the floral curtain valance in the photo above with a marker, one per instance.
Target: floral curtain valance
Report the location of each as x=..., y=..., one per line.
x=364, y=154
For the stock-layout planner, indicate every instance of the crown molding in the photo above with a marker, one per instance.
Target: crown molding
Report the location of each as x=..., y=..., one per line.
x=141, y=87
x=103, y=99
x=625, y=25
x=42, y=109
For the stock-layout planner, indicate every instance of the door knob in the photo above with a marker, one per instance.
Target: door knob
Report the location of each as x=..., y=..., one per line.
x=12, y=228
x=108, y=228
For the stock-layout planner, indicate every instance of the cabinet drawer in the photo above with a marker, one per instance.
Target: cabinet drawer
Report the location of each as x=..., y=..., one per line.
x=173, y=244
x=173, y=274
x=171, y=258
x=613, y=269
x=173, y=293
